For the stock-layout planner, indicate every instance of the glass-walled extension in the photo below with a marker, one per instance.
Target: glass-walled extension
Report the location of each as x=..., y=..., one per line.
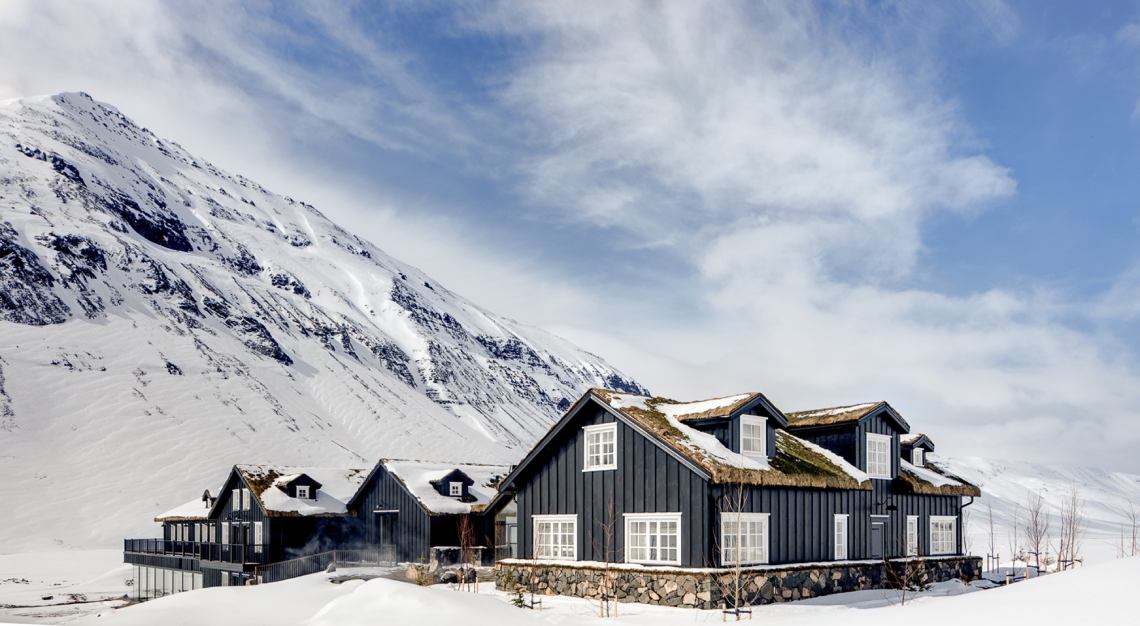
x=155, y=582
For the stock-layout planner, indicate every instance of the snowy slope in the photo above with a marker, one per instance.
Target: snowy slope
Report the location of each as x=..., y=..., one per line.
x=161, y=320
x=1006, y=485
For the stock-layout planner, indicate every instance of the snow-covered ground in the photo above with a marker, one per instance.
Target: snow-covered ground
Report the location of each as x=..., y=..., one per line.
x=1095, y=594
x=57, y=587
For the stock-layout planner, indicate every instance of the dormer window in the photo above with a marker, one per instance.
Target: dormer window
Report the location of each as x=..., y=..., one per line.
x=918, y=457
x=303, y=491
x=455, y=489
x=878, y=456
x=754, y=436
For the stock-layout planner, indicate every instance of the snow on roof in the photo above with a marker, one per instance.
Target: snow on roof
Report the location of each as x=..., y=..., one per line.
x=832, y=415
x=934, y=480
x=192, y=510
x=417, y=477
x=338, y=486
x=912, y=438
x=684, y=411
x=796, y=462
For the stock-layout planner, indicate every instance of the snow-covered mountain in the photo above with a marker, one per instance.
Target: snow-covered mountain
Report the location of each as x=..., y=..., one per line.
x=161, y=319
x=1108, y=499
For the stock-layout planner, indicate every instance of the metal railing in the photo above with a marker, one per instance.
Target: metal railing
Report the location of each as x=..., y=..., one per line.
x=313, y=563
x=224, y=552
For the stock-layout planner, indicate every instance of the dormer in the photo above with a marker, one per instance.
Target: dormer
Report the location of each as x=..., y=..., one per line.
x=915, y=448
x=300, y=486
x=455, y=484
x=866, y=435
x=744, y=424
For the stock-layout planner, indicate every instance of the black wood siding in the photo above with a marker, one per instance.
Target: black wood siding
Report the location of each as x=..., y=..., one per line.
x=647, y=480
x=413, y=526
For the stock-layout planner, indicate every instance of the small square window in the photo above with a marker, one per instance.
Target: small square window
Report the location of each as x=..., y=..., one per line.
x=753, y=436
x=456, y=489
x=303, y=491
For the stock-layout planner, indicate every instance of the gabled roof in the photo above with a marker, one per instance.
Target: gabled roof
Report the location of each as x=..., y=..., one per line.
x=796, y=463
x=197, y=509
x=713, y=408
x=917, y=440
x=849, y=414
x=419, y=479
x=933, y=480
x=339, y=485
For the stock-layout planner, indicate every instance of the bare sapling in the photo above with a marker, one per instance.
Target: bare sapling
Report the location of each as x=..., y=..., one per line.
x=1037, y=530
x=604, y=546
x=732, y=546
x=468, y=579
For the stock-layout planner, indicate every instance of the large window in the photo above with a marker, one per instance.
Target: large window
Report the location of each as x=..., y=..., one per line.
x=943, y=534
x=601, y=447
x=743, y=538
x=556, y=537
x=840, y=537
x=653, y=538
x=912, y=535
x=917, y=457
x=753, y=436
x=878, y=456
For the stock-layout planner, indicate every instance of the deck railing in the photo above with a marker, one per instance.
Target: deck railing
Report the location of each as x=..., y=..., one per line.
x=224, y=552
x=313, y=563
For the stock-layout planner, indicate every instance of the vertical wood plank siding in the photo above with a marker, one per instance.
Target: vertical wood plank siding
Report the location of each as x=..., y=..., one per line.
x=413, y=525
x=646, y=480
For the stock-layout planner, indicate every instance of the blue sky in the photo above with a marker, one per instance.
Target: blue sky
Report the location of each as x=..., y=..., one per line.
x=932, y=203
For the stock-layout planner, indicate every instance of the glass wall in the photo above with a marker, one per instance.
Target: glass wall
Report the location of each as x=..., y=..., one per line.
x=155, y=582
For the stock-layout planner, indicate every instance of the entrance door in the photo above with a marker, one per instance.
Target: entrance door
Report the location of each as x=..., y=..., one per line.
x=878, y=539
x=386, y=535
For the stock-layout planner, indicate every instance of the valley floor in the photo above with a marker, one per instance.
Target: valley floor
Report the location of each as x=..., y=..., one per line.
x=1095, y=594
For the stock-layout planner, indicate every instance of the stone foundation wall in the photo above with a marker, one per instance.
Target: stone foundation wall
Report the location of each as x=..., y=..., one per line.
x=705, y=589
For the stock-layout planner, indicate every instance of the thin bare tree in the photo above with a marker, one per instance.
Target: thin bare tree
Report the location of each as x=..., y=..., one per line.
x=468, y=579
x=1037, y=529
x=907, y=574
x=1072, y=522
x=1013, y=536
x=991, y=556
x=730, y=581
x=604, y=546
x=1134, y=519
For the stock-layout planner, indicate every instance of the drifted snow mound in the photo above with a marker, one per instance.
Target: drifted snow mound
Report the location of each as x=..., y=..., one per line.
x=161, y=319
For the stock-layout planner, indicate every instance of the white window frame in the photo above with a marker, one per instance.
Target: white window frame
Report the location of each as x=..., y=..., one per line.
x=258, y=537
x=935, y=548
x=842, y=521
x=246, y=500
x=754, y=554
x=598, y=430
x=557, y=554
x=235, y=499
x=754, y=421
x=917, y=457
x=886, y=456
x=455, y=489
x=912, y=535
x=658, y=518
x=303, y=491
x=225, y=530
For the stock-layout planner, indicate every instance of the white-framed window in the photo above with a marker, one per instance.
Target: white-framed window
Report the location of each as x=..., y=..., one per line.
x=743, y=538
x=235, y=500
x=878, y=455
x=912, y=535
x=556, y=537
x=258, y=537
x=246, y=501
x=917, y=457
x=653, y=538
x=303, y=491
x=225, y=532
x=943, y=534
x=455, y=489
x=600, y=448
x=840, y=537
x=754, y=436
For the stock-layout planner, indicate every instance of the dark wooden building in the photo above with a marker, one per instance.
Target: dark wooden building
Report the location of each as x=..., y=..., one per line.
x=624, y=478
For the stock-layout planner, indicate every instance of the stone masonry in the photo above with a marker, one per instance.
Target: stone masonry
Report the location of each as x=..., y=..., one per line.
x=707, y=588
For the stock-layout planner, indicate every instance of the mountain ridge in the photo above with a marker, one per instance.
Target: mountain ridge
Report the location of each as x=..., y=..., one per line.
x=163, y=318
